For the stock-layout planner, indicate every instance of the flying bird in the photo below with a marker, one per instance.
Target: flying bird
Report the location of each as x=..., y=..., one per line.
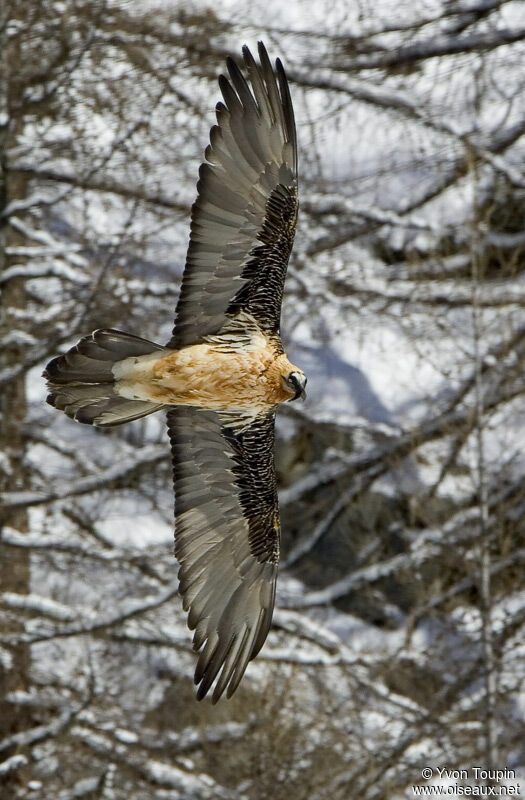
x=221, y=376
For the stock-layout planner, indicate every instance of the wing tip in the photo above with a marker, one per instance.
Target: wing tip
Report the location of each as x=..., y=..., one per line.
x=261, y=48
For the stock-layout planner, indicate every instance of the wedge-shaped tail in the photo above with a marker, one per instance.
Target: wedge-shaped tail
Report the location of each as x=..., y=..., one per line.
x=82, y=383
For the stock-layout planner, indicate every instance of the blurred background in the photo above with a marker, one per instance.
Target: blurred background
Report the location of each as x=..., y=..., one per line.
x=398, y=634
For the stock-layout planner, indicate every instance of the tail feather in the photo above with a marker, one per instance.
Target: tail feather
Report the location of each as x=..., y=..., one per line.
x=81, y=382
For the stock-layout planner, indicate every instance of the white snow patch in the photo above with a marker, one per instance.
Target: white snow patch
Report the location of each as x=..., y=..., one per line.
x=134, y=528
x=85, y=786
x=127, y=737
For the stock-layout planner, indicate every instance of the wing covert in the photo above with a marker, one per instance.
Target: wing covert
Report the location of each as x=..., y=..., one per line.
x=243, y=220
x=226, y=537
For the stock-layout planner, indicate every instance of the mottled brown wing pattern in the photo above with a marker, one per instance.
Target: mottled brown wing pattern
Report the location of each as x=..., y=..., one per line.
x=226, y=538
x=254, y=470
x=243, y=221
x=261, y=296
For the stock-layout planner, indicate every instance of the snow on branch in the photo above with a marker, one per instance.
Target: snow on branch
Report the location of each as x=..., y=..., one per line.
x=92, y=183
x=307, y=629
x=161, y=773
x=339, y=204
x=12, y=764
x=32, y=201
x=400, y=101
x=457, y=416
x=201, y=786
x=27, y=541
x=425, y=547
x=383, y=97
x=41, y=605
x=130, y=609
x=127, y=467
x=435, y=46
x=191, y=738
x=319, y=475
x=52, y=270
x=306, y=544
x=41, y=732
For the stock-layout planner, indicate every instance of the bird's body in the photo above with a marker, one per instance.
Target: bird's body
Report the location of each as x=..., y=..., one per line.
x=221, y=376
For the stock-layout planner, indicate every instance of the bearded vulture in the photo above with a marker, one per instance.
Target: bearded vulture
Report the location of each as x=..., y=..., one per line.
x=220, y=377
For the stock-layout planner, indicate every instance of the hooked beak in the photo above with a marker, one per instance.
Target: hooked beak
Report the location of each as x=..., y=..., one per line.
x=298, y=383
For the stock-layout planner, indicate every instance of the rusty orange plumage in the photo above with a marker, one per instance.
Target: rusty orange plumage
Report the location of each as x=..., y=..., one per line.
x=202, y=376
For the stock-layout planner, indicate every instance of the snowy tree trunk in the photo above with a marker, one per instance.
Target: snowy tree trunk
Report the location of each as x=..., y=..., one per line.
x=14, y=565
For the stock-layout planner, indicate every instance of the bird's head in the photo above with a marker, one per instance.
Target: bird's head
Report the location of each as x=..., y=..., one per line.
x=295, y=383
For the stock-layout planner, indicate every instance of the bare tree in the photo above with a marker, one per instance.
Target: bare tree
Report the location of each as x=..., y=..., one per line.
x=396, y=641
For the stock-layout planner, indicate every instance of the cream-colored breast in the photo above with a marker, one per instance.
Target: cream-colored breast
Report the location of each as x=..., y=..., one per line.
x=205, y=376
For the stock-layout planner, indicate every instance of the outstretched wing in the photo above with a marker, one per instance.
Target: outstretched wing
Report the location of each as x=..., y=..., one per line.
x=227, y=537
x=243, y=221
